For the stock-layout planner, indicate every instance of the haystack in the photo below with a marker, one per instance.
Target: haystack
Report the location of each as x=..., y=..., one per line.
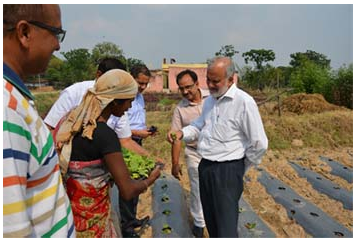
x=301, y=103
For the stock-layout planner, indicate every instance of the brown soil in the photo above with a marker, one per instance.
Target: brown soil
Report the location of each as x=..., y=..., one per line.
x=301, y=103
x=272, y=213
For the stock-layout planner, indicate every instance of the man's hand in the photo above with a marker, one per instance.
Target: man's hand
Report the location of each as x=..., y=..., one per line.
x=174, y=135
x=176, y=171
x=144, y=133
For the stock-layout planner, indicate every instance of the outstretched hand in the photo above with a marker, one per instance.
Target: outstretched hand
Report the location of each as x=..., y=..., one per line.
x=174, y=135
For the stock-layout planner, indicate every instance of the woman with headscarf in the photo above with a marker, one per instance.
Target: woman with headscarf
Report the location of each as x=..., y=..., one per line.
x=90, y=155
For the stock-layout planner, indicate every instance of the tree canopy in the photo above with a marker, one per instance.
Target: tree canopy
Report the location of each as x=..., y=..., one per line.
x=298, y=58
x=259, y=57
x=227, y=50
x=107, y=49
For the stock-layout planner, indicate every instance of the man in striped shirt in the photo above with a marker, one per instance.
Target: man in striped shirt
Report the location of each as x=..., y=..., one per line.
x=35, y=203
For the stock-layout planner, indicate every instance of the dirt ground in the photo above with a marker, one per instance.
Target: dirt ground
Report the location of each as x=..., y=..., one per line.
x=272, y=213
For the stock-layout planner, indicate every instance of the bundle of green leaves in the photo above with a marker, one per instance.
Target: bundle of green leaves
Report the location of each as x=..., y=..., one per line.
x=139, y=166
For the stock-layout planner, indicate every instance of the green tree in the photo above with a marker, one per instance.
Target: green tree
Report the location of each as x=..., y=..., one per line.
x=107, y=49
x=131, y=62
x=342, y=86
x=284, y=75
x=54, y=73
x=78, y=66
x=319, y=59
x=310, y=78
x=259, y=57
x=227, y=50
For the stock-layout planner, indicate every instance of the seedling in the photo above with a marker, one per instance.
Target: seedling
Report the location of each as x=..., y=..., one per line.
x=166, y=229
x=173, y=136
x=167, y=212
x=250, y=225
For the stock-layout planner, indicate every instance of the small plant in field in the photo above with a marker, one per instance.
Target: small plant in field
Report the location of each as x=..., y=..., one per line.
x=166, y=229
x=250, y=225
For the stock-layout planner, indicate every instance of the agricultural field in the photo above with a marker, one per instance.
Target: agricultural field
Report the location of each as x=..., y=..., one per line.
x=309, y=128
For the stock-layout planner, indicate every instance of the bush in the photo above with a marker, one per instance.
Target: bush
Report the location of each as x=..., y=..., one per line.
x=342, y=87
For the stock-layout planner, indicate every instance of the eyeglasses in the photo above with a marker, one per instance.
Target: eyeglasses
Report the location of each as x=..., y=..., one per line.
x=58, y=32
x=187, y=88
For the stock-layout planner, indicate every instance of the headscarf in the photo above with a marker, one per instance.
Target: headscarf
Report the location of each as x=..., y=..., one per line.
x=113, y=84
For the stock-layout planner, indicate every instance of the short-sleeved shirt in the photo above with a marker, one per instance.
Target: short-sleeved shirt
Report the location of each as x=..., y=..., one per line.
x=136, y=114
x=103, y=142
x=186, y=112
x=35, y=203
x=71, y=97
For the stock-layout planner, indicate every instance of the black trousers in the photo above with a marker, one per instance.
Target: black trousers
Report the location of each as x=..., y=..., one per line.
x=221, y=186
x=128, y=208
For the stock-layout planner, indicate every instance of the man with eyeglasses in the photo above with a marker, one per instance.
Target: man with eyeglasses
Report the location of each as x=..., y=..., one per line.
x=136, y=114
x=137, y=119
x=35, y=203
x=187, y=110
x=231, y=137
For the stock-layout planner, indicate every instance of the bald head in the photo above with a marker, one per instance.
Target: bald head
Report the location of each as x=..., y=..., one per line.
x=223, y=62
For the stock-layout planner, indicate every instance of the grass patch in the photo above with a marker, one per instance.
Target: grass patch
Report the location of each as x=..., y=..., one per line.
x=44, y=101
x=327, y=129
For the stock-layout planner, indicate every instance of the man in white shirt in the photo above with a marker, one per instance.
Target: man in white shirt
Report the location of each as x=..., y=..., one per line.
x=231, y=137
x=71, y=97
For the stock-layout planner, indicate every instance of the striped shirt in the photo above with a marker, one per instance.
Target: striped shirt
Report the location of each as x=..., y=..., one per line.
x=35, y=203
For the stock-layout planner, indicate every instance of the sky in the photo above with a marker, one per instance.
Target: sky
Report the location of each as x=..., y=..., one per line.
x=193, y=33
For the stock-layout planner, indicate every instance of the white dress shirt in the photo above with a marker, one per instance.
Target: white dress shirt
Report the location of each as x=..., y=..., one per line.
x=71, y=97
x=229, y=128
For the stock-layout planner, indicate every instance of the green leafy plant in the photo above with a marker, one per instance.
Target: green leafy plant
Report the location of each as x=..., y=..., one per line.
x=138, y=166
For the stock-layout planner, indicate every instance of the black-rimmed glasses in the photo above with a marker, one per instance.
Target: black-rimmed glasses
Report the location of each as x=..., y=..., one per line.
x=58, y=32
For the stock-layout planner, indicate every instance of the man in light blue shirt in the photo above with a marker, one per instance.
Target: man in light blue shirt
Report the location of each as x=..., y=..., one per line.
x=136, y=114
x=137, y=119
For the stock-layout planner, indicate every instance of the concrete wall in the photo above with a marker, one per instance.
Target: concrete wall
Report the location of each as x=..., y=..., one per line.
x=155, y=84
